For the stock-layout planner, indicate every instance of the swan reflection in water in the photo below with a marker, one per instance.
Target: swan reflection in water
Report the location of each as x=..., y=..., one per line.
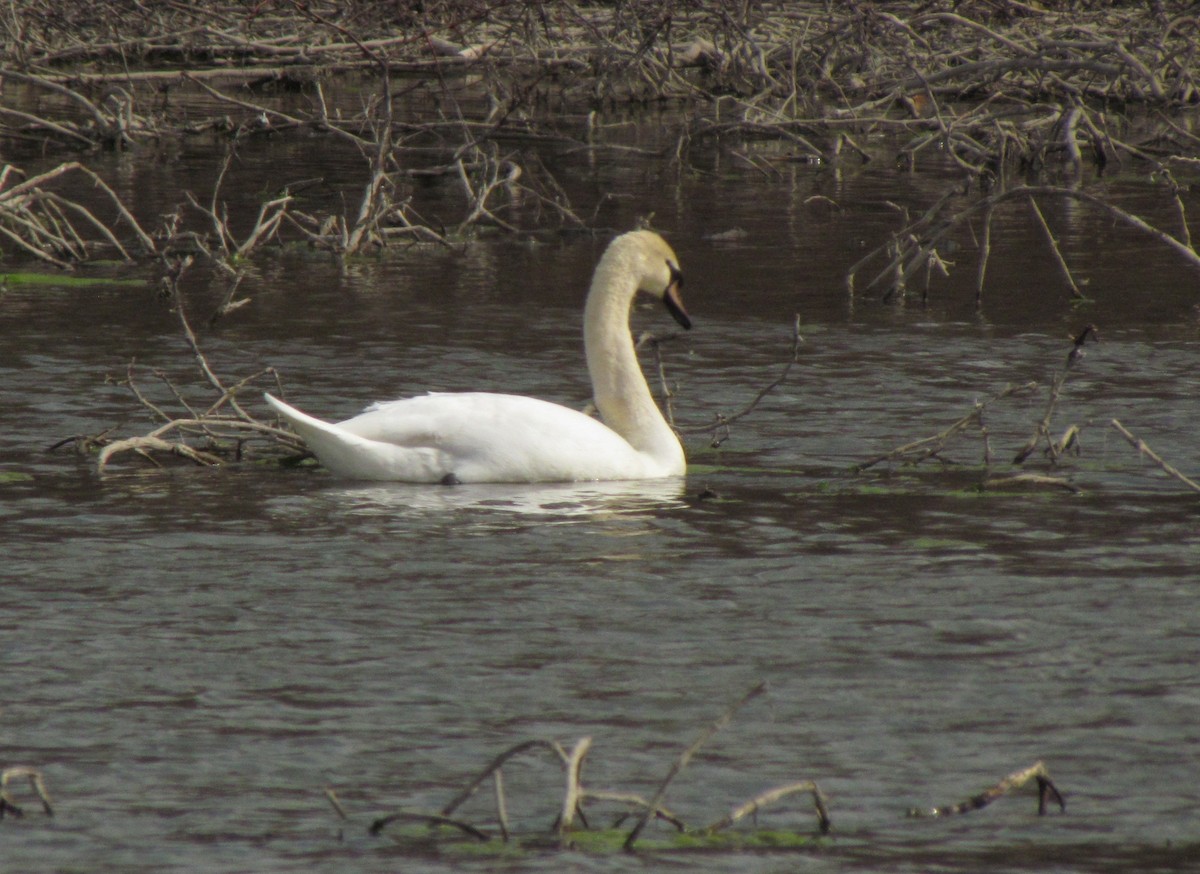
x=548, y=502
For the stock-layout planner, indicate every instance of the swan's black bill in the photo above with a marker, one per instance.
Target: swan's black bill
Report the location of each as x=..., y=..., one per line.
x=671, y=297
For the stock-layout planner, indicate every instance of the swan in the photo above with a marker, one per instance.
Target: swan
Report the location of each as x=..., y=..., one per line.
x=481, y=437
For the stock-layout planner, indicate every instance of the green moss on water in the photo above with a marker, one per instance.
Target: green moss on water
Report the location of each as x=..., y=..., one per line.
x=67, y=280
x=601, y=842
x=743, y=469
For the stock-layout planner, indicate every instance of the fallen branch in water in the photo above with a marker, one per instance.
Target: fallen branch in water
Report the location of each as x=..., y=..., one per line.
x=1145, y=450
x=206, y=434
x=760, y=801
x=1014, y=781
x=565, y=834
x=113, y=122
x=36, y=782
x=58, y=230
x=1032, y=479
x=1041, y=430
x=720, y=428
x=570, y=826
x=931, y=447
x=493, y=770
x=915, y=246
x=685, y=757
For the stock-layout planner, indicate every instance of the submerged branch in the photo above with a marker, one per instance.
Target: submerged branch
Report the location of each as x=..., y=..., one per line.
x=1014, y=781
x=1149, y=453
x=685, y=757
x=429, y=819
x=36, y=782
x=720, y=428
x=751, y=807
x=1041, y=430
x=499, y=762
x=929, y=447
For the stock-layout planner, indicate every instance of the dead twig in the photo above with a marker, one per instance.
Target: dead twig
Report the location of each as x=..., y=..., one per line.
x=720, y=428
x=760, y=801
x=203, y=422
x=1042, y=428
x=635, y=802
x=929, y=447
x=1144, y=449
x=36, y=782
x=1014, y=781
x=1059, y=260
x=429, y=819
x=37, y=220
x=495, y=765
x=914, y=246
x=685, y=757
x=573, y=796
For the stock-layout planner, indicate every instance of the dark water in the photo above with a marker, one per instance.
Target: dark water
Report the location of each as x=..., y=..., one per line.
x=191, y=656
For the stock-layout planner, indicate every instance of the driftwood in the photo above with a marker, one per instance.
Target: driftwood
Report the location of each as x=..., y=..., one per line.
x=917, y=451
x=209, y=434
x=571, y=826
x=1149, y=453
x=576, y=795
x=8, y=804
x=1041, y=430
x=932, y=447
x=1047, y=791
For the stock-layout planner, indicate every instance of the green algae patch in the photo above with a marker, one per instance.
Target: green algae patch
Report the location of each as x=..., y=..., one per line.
x=613, y=841
x=64, y=280
x=444, y=842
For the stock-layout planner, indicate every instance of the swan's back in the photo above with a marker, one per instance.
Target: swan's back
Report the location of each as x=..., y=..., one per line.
x=473, y=437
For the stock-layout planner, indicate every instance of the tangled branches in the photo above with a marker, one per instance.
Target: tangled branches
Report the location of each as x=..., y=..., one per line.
x=1023, y=101
x=572, y=830
x=214, y=432
x=913, y=250
x=58, y=230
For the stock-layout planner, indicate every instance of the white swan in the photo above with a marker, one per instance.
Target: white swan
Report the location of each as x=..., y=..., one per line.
x=476, y=437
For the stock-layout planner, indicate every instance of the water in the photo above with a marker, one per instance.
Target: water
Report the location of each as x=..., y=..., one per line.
x=192, y=656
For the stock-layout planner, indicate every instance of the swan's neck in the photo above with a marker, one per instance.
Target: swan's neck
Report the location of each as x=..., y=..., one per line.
x=618, y=385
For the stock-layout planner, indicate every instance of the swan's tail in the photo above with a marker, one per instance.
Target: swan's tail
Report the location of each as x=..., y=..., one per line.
x=336, y=448
x=303, y=424
x=351, y=455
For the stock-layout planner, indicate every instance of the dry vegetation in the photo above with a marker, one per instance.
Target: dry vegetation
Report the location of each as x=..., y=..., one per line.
x=1030, y=101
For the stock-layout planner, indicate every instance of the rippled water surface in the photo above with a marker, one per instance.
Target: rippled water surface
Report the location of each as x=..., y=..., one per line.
x=192, y=656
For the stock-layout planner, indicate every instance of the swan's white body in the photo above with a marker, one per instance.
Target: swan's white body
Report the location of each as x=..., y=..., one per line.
x=482, y=437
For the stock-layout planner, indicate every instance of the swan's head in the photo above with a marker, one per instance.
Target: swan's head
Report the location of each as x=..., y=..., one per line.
x=658, y=271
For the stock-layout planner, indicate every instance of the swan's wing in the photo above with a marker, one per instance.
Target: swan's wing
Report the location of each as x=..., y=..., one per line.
x=485, y=437
x=352, y=455
x=471, y=437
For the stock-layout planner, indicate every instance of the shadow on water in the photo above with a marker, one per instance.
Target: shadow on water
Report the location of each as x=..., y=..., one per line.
x=190, y=656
